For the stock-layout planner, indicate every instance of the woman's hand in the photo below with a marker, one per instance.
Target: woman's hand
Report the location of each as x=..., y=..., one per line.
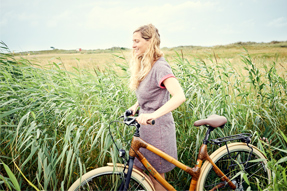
x=134, y=108
x=144, y=118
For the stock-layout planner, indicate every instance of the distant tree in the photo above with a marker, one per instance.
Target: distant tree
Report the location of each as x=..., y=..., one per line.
x=52, y=47
x=274, y=42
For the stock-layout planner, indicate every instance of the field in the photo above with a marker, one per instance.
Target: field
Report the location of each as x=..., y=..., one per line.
x=56, y=107
x=90, y=59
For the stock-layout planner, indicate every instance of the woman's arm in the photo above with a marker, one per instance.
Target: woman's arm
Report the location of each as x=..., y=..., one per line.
x=178, y=97
x=134, y=107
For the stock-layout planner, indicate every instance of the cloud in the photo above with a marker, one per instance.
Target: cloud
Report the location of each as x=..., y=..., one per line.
x=166, y=15
x=171, y=18
x=59, y=19
x=236, y=28
x=278, y=22
x=3, y=22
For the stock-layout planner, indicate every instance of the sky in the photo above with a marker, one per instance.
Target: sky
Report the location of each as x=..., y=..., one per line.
x=30, y=25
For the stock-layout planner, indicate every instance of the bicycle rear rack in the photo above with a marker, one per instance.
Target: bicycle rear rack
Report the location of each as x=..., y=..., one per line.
x=244, y=137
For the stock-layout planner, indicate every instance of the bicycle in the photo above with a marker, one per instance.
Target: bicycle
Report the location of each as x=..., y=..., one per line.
x=222, y=170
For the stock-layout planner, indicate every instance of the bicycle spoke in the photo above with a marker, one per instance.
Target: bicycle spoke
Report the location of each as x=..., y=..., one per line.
x=233, y=164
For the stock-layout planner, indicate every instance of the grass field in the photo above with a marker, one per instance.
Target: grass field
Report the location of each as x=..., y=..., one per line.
x=55, y=109
x=89, y=59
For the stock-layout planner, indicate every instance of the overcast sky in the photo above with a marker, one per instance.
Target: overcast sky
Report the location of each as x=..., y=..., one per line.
x=91, y=24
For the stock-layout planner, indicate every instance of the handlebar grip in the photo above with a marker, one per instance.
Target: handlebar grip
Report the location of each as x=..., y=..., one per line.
x=128, y=112
x=151, y=122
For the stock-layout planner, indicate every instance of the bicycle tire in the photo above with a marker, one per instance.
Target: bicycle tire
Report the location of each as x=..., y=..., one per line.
x=109, y=178
x=257, y=172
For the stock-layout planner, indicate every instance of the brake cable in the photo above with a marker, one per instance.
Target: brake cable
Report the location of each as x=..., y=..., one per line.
x=129, y=145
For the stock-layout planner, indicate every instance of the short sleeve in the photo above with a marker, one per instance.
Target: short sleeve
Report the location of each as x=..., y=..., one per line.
x=163, y=71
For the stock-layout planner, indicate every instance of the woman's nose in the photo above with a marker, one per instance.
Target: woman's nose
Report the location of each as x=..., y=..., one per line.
x=134, y=45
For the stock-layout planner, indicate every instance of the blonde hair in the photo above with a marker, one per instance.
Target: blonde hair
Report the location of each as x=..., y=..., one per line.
x=141, y=65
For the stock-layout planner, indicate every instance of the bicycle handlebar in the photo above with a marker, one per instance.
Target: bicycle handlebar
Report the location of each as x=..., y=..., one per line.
x=132, y=120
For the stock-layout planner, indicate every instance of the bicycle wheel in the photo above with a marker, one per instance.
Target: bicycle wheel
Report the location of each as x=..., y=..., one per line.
x=110, y=178
x=233, y=165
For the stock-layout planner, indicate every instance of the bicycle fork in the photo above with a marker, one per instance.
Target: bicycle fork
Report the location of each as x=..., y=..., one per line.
x=127, y=176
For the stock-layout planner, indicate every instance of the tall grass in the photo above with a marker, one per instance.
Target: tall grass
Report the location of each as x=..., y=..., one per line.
x=50, y=119
x=54, y=122
x=253, y=100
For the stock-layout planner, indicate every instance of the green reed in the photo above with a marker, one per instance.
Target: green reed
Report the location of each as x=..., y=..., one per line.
x=253, y=100
x=54, y=122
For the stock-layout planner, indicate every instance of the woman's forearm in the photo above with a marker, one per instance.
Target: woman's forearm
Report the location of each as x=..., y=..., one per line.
x=134, y=107
x=171, y=105
x=178, y=97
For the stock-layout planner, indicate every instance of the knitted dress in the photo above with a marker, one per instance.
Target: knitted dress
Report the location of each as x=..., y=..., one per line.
x=151, y=95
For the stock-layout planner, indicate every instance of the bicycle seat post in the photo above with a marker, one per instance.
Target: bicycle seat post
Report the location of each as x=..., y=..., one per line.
x=210, y=129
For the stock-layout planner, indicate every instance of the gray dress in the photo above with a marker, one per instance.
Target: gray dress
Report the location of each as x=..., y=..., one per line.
x=151, y=95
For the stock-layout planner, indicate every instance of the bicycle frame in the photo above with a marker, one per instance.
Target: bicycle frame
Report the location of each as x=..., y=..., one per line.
x=138, y=143
x=228, y=158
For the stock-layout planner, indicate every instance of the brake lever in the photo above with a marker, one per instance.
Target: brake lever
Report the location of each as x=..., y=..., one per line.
x=130, y=121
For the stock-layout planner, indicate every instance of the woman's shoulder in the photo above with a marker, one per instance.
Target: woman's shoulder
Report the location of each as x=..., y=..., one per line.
x=161, y=63
x=161, y=69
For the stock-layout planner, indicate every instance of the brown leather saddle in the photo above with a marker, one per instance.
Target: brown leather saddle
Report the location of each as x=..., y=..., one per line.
x=213, y=121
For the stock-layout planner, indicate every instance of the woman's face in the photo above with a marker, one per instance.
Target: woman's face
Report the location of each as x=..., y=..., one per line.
x=140, y=45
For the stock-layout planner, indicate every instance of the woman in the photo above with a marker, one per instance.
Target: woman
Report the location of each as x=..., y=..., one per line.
x=154, y=82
